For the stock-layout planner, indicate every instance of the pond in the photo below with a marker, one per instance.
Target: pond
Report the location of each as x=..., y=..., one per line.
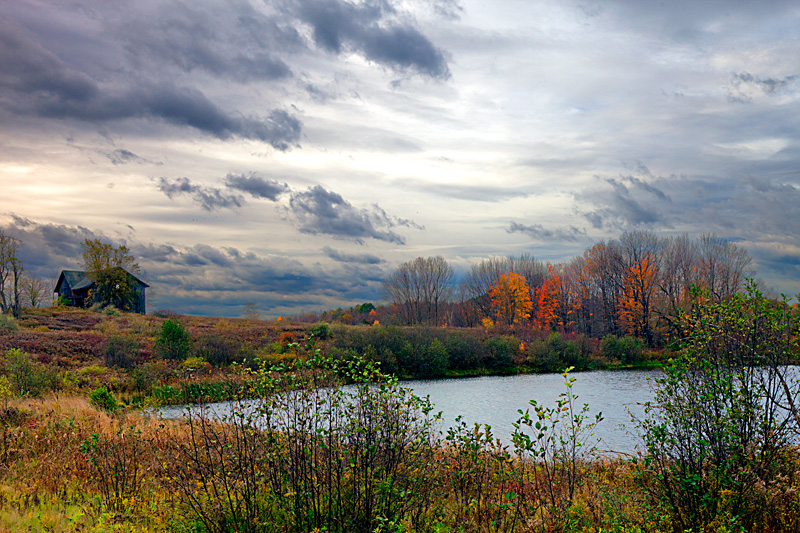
x=495, y=400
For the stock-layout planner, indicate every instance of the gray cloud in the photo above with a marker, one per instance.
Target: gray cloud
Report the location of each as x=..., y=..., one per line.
x=745, y=85
x=320, y=211
x=37, y=82
x=210, y=198
x=120, y=156
x=315, y=210
x=539, y=232
x=475, y=193
x=48, y=248
x=342, y=257
x=256, y=186
x=373, y=30
x=623, y=203
x=230, y=40
x=450, y=9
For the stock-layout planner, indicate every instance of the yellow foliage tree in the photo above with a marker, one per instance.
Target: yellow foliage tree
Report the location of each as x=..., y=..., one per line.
x=511, y=299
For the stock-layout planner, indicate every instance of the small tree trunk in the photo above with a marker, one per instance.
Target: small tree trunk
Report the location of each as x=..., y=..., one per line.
x=16, y=306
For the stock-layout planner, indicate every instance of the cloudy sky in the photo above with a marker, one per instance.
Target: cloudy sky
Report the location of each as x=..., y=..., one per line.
x=292, y=152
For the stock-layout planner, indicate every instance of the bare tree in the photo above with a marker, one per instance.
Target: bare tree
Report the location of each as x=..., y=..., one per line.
x=10, y=274
x=606, y=280
x=36, y=291
x=679, y=273
x=723, y=266
x=419, y=288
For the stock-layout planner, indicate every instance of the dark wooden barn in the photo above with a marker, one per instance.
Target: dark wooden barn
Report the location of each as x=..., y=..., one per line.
x=74, y=287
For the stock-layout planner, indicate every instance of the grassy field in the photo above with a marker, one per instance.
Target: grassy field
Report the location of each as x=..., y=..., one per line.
x=77, y=452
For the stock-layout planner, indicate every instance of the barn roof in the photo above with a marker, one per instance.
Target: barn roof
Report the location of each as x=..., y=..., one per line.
x=77, y=279
x=72, y=277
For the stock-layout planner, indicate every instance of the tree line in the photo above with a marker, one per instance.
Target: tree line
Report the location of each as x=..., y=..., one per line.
x=638, y=284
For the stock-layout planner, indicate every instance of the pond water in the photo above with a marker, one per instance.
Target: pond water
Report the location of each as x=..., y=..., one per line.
x=495, y=400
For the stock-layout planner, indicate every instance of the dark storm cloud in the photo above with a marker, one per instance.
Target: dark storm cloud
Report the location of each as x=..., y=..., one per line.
x=320, y=211
x=219, y=280
x=256, y=186
x=373, y=30
x=647, y=187
x=210, y=198
x=343, y=257
x=37, y=82
x=539, y=232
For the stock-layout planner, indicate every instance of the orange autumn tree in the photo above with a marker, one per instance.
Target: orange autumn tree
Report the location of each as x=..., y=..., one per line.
x=511, y=299
x=635, y=303
x=547, y=300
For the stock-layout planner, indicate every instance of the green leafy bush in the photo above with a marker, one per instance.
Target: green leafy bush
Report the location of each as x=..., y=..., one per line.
x=556, y=353
x=463, y=349
x=436, y=359
x=628, y=350
x=499, y=351
x=174, y=342
x=320, y=331
x=102, y=398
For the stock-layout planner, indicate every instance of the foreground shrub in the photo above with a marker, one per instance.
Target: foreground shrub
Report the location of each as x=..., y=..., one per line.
x=121, y=351
x=117, y=466
x=725, y=418
x=27, y=377
x=316, y=457
x=560, y=440
x=174, y=342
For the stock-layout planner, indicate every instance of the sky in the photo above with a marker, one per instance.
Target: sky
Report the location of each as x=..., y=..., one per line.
x=291, y=153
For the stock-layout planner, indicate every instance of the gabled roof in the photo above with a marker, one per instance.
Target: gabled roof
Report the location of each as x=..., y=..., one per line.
x=74, y=278
x=77, y=279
